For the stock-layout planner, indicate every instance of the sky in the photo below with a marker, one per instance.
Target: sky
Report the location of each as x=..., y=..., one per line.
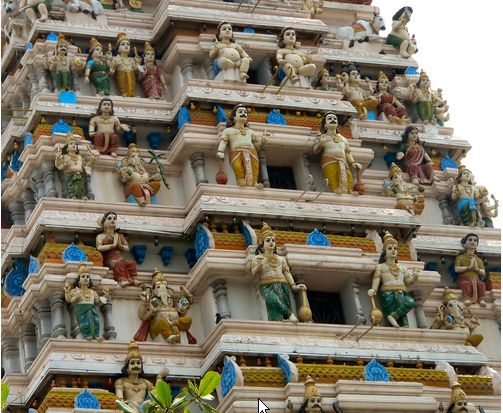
x=460, y=47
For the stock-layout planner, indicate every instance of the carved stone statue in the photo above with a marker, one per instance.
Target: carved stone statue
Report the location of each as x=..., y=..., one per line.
x=131, y=387
x=389, y=105
x=74, y=167
x=112, y=244
x=97, y=69
x=408, y=196
x=430, y=106
x=86, y=299
x=450, y=317
x=391, y=280
x=399, y=35
x=336, y=158
x=312, y=398
x=159, y=314
x=471, y=272
x=487, y=211
x=293, y=63
x=138, y=182
x=229, y=58
x=125, y=67
x=415, y=160
x=152, y=80
x=61, y=65
x=30, y=7
x=464, y=192
x=274, y=278
x=243, y=143
x=459, y=401
x=103, y=128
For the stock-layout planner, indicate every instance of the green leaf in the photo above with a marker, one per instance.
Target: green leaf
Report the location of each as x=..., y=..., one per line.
x=5, y=393
x=208, y=408
x=208, y=383
x=193, y=389
x=179, y=401
x=186, y=410
x=153, y=396
x=125, y=407
x=163, y=393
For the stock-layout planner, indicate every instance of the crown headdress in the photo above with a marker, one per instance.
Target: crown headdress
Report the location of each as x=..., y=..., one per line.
x=148, y=47
x=382, y=76
x=457, y=393
x=388, y=239
x=70, y=137
x=158, y=276
x=61, y=39
x=133, y=351
x=265, y=232
x=82, y=269
x=310, y=389
x=449, y=295
x=121, y=36
x=423, y=75
x=94, y=43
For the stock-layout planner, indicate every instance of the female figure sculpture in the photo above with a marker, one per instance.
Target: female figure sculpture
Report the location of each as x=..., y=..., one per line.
x=228, y=56
x=399, y=35
x=389, y=105
x=112, y=244
x=97, y=69
x=275, y=280
x=152, y=80
x=336, y=158
x=125, y=67
x=416, y=161
x=393, y=280
x=464, y=192
x=423, y=96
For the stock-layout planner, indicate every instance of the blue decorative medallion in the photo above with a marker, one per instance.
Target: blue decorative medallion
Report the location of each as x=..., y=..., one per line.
x=15, y=164
x=52, y=37
x=14, y=280
x=139, y=252
x=411, y=71
x=154, y=139
x=318, y=238
x=448, y=162
x=249, y=30
x=276, y=118
x=221, y=115
x=202, y=241
x=33, y=266
x=86, y=400
x=228, y=379
x=190, y=257
x=376, y=372
x=61, y=127
x=166, y=253
x=68, y=97
x=74, y=253
x=283, y=365
x=183, y=117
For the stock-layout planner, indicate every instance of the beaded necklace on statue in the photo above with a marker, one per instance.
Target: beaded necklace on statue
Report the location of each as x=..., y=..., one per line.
x=336, y=138
x=242, y=131
x=273, y=261
x=394, y=269
x=87, y=294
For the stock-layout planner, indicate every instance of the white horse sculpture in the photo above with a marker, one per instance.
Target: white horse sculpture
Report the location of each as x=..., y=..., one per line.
x=361, y=30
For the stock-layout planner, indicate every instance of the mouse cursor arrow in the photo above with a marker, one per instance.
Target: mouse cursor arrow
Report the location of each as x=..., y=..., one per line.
x=262, y=408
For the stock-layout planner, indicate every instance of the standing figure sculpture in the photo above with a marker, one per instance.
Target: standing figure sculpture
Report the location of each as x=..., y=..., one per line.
x=61, y=65
x=487, y=211
x=471, y=272
x=408, y=196
x=86, y=299
x=415, y=160
x=152, y=80
x=139, y=184
x=274, y=279
x=112, y=244
x=159, y=313
x=389, y=105
x=97, y=69
x=312, y=397
x=464, y=192
x=75, y=168
x=229, y=58
x=103, y=128
x=244, y=144
x=399, y=35
x=125, y=67
x=391, y=280
x=336, y=158
x=293, y=63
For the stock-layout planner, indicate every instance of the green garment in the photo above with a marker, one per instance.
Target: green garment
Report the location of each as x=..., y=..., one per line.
x=100, y=77
x=394, y=40
x=62, y=80
x=76, y=185
x=425, y=111
x=47, y=3
x=277, y=300
x=397, y=304
x=88, y=320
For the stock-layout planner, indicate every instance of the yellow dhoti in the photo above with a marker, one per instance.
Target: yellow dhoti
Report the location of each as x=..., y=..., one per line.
x=126, y=83
x=338, y=174
x=361, y=106
x=161, y=326
x=245, y=164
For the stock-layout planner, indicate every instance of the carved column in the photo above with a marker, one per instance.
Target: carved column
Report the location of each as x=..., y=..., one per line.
x=16, y=212
x=263, y=169
x=43, y=83
x=187, y=69
x=37, y=183
x=109, y=332
x=29, y=203
x=443, y=203
x=57, y=302
x=210, y=72
x=419, y=310
x=42, y=311
x=197, y=162
x=33, y=83
x=356, y=297
x=74, y=326
x=306, y=163
x=10, y=355
x=264, y=71
x=221, y=300
x=29, y=340
x=90, y=194
x=48, y=179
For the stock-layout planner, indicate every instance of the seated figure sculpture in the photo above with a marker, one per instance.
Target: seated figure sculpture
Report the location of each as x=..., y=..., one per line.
x=408, y=196
x=399, y=36
x=230, y=60
x=393, y=280
x=464, y=193
x=293, y=63
x=416, y=161
x=389, y=106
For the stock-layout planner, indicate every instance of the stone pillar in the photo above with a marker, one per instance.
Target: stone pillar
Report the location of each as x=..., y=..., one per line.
x=221, y=300
x=210, y=72
x=33, y=82
x=42, y=312
x=10, y=355
x=356, y=297
x=16, y=213
x=90, y=194
x=443, y=203
x=37, y=183
x=306, y=163
x=74, y=326
x=48, y=179
x=29, y=340
x=29, y=203
x=263, y=169
x=43, y=83
x=419, y=310
x=109, y=332
x=57, y=302
x=186, y=67
x=197, y=162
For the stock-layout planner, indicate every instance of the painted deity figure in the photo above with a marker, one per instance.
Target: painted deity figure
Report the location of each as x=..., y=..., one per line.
x=125, y=67
x=274, y=278
x=75, y=168
x=86, y=299
x=132, y=387
x=389, y=105
x=97, y=69
x=450, y=317
x=416, y=161
x=104, y=126
x=244, y=144
x=336, y=157
x=112, y=244
x=399, y=36
x=30, y=7
x=351, y=86
x=487, y=211
x=159, y=314
x=391, y=280
x=312, y=397
x=152, y=80
x=471, y=271
x=459, y=401
x=424, y=99
x=295, y=64
x=409, y=197
x=464, y=192
x=139, y=184
x=61, y=65
x=229, y=56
